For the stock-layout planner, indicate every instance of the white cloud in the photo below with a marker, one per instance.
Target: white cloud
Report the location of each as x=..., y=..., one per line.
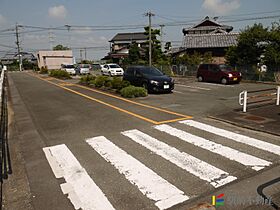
x=221, y=7
x=3, y=20
x=58, y=12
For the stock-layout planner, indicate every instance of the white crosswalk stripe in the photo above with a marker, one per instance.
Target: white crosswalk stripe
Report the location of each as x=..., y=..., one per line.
x=199, y=168
x=235, y=136
x=147, y=181
x=81, y=189
x=232, y=154
x=85, y=194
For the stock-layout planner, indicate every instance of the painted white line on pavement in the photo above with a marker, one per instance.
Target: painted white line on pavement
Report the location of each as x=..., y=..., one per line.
x=81, y=190
x=232, y=154
x=193, y=165
x=194, y=87
x=175, y=91
x=147, y=181
x=220, y=85
x=235, y=136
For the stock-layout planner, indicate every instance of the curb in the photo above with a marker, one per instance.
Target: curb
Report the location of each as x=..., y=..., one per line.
x=243, y=126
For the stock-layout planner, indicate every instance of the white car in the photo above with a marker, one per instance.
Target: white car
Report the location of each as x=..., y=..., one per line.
x=112, y=69
x=69, y=68
x=83, y=69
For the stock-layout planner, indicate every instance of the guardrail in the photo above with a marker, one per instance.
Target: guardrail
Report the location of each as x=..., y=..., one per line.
x=245, y=99
x=5, y=160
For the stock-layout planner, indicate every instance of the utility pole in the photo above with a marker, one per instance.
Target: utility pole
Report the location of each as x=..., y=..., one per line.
x=161, y=34
x=85, y=53
x=150, y=14
x=51, y=39
x=18, y=48
x=81, y=55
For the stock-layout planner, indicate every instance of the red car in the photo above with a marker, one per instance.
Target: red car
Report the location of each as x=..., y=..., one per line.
x=217, y=73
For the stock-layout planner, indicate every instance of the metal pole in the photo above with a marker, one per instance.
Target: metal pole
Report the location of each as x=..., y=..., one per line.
x=18, y=47
x=149, y=14
x=278, y=96
x=245, y=101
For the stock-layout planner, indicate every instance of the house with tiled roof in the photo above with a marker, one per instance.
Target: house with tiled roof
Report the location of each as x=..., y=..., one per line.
x=120, y=43
x=208, y=36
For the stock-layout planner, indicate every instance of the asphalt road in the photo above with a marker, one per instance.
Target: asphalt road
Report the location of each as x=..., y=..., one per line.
x=147, y=153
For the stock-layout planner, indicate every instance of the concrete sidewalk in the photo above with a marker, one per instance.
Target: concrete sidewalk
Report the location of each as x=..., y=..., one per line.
x=265, y=118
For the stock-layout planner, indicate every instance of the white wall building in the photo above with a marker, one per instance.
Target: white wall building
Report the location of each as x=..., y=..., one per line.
x=54, y=58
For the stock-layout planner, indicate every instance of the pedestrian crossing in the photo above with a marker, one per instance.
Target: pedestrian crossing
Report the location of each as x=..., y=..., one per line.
x=84, y=193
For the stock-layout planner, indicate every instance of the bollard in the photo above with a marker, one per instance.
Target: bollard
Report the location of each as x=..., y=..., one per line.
x=278, y=96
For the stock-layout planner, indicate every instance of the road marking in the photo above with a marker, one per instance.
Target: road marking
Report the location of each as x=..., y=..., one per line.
x=81, y=189
x=220, y=85
x=148, y=182
x=177, y=92
x=235, y=136
x=232, y=154
x=183, y=117
x=215, y=176
x=193, y=87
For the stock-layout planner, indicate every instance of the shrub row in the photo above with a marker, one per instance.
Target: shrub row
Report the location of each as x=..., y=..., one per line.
x=132, y=91
x=60, y=74
x=116, y=83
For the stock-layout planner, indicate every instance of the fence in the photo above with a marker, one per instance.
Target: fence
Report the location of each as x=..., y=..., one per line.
x=5, y=162
x=248, y=72
x=245, y=97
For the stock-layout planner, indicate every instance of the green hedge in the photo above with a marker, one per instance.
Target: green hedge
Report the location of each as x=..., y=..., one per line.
x=132, y=91
x=43, y=70
x=60, y=74
x=87, y=79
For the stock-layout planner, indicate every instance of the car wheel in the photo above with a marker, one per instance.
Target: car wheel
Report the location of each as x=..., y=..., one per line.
x=224, y=81
x=102, y=73
x=200, y=78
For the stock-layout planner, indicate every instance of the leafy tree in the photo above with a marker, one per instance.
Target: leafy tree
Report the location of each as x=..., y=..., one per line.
x=249, y=47
x=156, y=47
x=60, y=47
x=134, y=53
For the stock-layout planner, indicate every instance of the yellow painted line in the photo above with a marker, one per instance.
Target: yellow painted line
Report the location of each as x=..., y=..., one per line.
x=63, y=84
x=134, y=102
x=101, y=102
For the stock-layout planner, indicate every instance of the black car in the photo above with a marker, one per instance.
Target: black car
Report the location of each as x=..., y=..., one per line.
x=150, y=78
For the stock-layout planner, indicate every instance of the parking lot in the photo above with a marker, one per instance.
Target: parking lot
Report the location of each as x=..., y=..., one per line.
x=160, y=135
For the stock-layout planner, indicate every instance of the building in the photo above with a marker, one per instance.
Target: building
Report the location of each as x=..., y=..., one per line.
x=208, y=36
x=120, y=43
x=54, y=58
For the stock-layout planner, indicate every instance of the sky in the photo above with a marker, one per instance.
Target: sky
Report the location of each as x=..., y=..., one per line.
x=93, y=23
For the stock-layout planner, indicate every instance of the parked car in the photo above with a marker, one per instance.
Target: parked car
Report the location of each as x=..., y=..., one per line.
x=112, y=69
x=218, y=73
x=83, y=69
x=70, y=68
x=96, y=66
x=150, y=78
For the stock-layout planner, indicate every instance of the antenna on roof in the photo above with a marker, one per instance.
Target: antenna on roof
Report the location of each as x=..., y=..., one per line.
x=216, y=18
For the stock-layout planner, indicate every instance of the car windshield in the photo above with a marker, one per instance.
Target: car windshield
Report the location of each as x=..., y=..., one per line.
x=84, y=66
x=151, y=71
x=225, y=68
x=114, y=66
x=69, y=66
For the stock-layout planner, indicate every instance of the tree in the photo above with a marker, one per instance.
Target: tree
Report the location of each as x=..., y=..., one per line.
x=167, y=46
x=60, y=47
x=249, y=47
x=134, y=53
x=156, y=47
